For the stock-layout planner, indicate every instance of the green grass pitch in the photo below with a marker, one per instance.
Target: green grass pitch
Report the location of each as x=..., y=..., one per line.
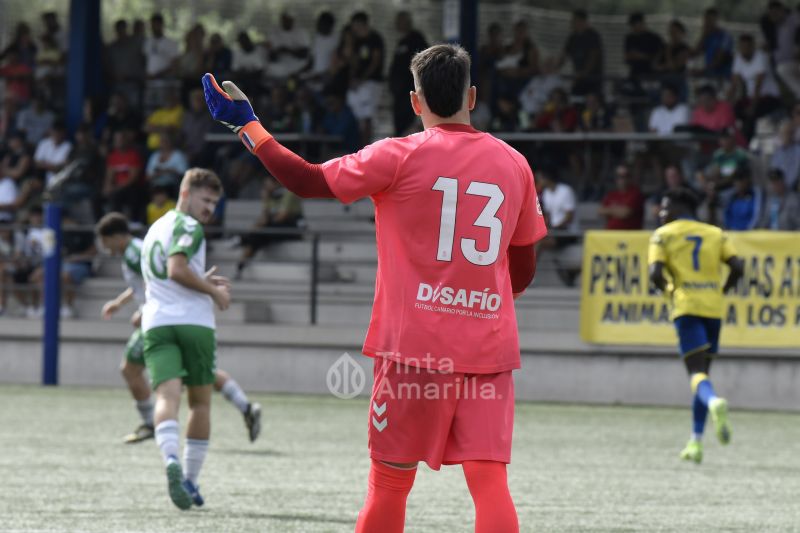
x=63, y=468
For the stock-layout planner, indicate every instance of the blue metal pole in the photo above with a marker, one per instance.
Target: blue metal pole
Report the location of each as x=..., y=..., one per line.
x=52, y=292
x=84, y=59
x=468, y=32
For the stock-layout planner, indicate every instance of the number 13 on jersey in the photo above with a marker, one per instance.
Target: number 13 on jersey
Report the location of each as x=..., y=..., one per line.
x=487, y=219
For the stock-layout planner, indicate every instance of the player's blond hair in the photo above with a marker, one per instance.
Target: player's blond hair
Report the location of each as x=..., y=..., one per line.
x=201, y=178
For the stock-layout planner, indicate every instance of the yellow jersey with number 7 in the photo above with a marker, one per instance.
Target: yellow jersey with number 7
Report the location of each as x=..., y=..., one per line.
x=693, y=254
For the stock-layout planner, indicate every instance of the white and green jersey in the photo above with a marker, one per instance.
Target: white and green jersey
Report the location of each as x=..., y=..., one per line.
x=132, y=269
x=169, y=303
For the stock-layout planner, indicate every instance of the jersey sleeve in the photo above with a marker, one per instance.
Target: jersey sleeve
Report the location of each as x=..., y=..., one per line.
x=727, y=249
x=133, y=259
x=367, y=172
x=531, y=227
x=656, y=252
x=186, y=238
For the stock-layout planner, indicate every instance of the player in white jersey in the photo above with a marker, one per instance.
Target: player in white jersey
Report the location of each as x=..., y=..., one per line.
x=179, y=328
x=115, y=236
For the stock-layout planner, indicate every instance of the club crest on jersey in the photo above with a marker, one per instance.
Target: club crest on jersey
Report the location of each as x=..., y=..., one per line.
x=450, y=296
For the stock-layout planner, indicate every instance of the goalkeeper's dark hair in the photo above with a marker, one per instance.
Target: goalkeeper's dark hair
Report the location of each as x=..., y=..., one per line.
x=112, y=224
x=684, y=198
x=201, y=178
x=441, y=73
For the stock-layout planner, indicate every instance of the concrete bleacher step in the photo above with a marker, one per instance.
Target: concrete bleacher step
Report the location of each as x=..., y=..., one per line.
x=90, y=307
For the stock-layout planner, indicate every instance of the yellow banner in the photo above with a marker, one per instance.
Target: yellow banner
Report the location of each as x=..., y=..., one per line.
x=618, y=305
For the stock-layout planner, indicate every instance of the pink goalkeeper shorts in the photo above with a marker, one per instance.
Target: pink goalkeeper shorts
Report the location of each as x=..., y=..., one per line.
x=417, y=414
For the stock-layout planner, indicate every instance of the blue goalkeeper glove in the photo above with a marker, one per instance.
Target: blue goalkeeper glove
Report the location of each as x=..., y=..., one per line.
x=230, y=106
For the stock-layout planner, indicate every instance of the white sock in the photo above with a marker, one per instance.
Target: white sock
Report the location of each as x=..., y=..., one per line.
x=145, y=408
x=697, y=437
x=234, y=394
x=193, y=456
x=168, y=440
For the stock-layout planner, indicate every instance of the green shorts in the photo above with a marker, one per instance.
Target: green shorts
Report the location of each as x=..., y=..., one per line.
x=134, y=350
x=186, y=352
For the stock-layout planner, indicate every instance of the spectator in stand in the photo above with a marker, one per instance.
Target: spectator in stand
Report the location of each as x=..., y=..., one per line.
x=52, y=152
x=79, y=251
x=8, y=118
x=401, y=82
x=125, y=63
x=559, y=205
x=663, y=121
x=160, y=51
x=518, y=64
x=18, y=78
x=786, y=23
x=120, y=116
x=366, y=74
x=49, y=71
x=197, y=123
x=712, y=113
x=53, y=29
x=488, y=56
x=279, y=112
x=711, y=208
x=288, y=48
x=643, y=48
x=36, y=120
x=676, y=53
x=623, y=208
x=191, y=64
x=673, y=181
x=81, y=193
x=670, y=114
x=15, y=167
x=596, y=115
x=249, y=62
x=168, y=118
x=716, y=47
x=535, y=94
x=22, y=45
x=743, y=204
x=139, y=32
x=123, y=185
x=166, y=165
x=728, y=161
x=219, y=57
x=281, y=209
x=758, y=93
x=584, y=48
x=342, y=63
x=339, y=120
x=323, y=50
x=26, y=271
x=782, y=206
x=558, y=115
x=786, y=157
x=160, y=204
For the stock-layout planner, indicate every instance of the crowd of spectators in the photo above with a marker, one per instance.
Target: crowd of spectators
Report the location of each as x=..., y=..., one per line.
x=150, y=123
x=723, y=90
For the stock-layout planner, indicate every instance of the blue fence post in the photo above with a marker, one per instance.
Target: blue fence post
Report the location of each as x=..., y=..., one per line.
x=52, y=292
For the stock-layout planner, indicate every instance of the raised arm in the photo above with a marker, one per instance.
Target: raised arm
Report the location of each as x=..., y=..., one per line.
x=232, y=108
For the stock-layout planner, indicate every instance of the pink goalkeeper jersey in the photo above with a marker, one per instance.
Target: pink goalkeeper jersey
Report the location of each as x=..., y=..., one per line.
x=448, y=203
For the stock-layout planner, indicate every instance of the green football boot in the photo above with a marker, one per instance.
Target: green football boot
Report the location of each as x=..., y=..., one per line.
x=693, y=451
x=177, y=493
x=718, y=407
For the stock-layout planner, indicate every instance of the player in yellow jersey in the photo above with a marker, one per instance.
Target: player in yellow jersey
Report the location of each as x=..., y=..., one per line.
x=685, y=258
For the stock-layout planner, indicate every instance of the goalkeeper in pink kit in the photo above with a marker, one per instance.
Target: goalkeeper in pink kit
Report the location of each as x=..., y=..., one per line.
x=457, y=217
